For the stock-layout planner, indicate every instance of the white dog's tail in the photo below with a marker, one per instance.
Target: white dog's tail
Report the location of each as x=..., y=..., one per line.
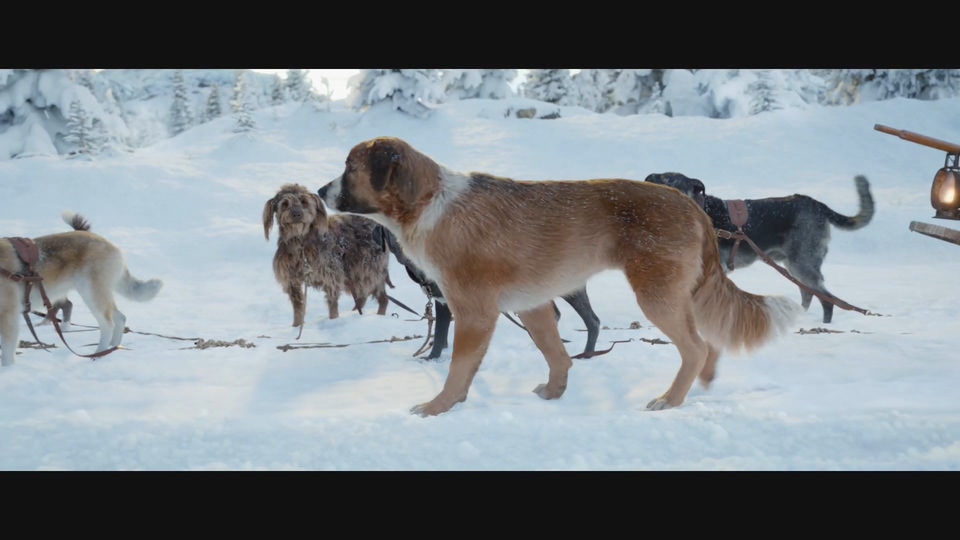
x=75, y=220
x=134, y=289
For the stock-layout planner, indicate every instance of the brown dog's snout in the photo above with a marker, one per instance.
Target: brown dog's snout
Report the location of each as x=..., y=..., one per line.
x=296, y=212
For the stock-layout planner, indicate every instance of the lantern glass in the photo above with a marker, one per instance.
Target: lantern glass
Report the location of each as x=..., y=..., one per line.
x=945, y=194
x=948, y=191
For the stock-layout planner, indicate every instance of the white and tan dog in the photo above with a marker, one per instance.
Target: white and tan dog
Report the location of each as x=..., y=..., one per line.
x=495, y=244
x=77, y=260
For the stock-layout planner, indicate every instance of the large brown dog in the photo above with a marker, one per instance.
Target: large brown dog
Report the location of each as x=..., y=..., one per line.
x=495, y=244
x=333, y=254
x=79, y=260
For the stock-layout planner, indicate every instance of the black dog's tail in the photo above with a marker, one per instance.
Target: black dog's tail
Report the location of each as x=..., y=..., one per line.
x=860, y=220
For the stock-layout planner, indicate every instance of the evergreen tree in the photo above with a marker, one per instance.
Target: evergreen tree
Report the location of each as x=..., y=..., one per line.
x=214, y=109
x=478, y=83
x=762, y=93
x=242, y=107
x=591, y=87
x=277, y=95
x=412, y=91
x=633, y=88
x=298, y=85
x=551, y=85
x=79, y=128
x=181, y=115
x=239, y=92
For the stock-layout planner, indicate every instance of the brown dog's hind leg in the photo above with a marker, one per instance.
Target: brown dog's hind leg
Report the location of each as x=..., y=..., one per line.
x=541, y=323
x=295, y=292
x=709, y=371
x=382, y=301
x=471, y=337
x=666, y=301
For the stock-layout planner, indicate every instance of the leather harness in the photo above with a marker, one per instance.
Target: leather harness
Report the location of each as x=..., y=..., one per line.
x=29, y=253
x=738, y=216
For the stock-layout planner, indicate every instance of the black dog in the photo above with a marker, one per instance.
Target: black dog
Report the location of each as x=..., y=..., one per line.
x=578, y=299
x=793, y=230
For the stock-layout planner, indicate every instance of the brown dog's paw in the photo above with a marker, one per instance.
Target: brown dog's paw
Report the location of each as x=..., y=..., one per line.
x=546, y=391
x=659, y=404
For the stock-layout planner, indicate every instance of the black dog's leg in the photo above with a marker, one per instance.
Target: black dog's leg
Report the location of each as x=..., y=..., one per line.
x=811, y=277
x=581, y=304
x=442, y=326
x=805, y=299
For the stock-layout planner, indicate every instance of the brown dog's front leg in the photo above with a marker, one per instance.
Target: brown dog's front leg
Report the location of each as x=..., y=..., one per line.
x=471, y=337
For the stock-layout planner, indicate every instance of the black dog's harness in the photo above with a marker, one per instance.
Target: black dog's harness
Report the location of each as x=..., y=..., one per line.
x=738, y=216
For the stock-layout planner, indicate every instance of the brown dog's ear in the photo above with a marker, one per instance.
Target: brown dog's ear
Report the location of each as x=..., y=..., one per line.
x=268, y=211
x=384, y=158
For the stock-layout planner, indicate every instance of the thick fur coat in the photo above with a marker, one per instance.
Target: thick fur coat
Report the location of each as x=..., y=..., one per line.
x=496, y=244
x=333, y=254
x=78, y=260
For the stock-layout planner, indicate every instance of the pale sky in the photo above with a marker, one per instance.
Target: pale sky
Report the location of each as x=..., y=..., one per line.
x=336, y=77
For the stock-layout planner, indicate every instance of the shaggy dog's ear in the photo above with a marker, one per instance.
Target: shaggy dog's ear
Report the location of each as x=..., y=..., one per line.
x=383, y=161
x=320, y=217
x=269, y=210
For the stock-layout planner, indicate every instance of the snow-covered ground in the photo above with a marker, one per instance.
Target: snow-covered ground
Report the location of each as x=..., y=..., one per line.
x=879, y=395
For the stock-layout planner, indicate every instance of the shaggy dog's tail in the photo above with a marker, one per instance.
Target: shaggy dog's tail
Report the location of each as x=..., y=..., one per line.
x=730, y=318
x=860, y=220
x=75, y=220
x=135, y=289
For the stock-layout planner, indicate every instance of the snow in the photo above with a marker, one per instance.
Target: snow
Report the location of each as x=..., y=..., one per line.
x=187, y=210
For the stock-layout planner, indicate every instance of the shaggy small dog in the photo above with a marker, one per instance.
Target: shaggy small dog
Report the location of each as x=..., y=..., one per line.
x=334, y=254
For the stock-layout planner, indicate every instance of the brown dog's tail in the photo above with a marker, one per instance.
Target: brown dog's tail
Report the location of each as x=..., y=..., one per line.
x=730, y=318
x=862, y=219
x=78, y=222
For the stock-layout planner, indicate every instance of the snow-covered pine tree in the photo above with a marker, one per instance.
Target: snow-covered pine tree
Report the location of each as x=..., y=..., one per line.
x=79, y=130
x=591, y=87
x=763, y=93
x=552, y=86
x=633, y=88
x=850, y=86
x=214, y=108
x=479, y=83
x=805, y=83
x=241, y=105
x=99, y=138
x=277, y=95
x=413, y=91
x=943, y=83
x=239, y=92
x=181, y=114
x=607, y=101
x=298, y=85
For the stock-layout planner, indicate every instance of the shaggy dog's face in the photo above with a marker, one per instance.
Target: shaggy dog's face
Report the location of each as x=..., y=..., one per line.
x=691, y=187
x=296, y=210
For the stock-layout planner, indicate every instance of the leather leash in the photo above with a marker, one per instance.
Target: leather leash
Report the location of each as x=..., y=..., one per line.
x=738, y=236
x=738, y=216
x=29, y=253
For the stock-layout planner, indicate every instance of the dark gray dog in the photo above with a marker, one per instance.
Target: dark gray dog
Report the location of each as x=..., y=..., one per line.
x=793, y=230
x=578, y=299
